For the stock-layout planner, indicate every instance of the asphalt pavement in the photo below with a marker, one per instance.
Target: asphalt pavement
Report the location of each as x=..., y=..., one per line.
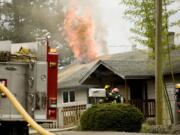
x=98, y=133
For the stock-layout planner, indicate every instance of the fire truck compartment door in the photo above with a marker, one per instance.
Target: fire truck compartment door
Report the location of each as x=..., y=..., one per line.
x=41, y=91
x=16, y=83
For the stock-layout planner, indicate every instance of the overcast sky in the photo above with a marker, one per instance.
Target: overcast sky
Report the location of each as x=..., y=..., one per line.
x=111, y=15
x=118, y=27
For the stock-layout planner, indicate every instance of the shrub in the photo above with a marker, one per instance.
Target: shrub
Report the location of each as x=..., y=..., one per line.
x=112, y=117
x=145, y=128
x=175, y=129
x=160, y=129
x=151, y=121
x=156, y=129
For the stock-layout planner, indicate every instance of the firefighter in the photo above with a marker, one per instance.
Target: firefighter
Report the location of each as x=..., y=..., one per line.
x=113, y=95
x=118, y=98
x=107, y=88
x=178, y=96
x=109, y=95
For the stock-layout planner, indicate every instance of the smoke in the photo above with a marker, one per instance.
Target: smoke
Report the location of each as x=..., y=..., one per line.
x=48, y=15
x=85, y=33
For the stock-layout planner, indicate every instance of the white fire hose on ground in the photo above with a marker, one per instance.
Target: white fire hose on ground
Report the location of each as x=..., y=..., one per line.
x=22, y=111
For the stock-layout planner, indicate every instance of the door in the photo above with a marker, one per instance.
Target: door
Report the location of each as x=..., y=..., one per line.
x=136, y=90
x=136, y=93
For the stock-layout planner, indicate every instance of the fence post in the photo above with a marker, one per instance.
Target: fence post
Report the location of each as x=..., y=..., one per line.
x=60, y=117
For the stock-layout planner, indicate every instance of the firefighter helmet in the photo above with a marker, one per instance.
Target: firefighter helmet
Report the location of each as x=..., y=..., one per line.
x=107, y=86
x=115, y=90
x=178, y=86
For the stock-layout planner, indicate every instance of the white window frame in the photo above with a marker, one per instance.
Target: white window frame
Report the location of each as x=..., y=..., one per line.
x=68, y=96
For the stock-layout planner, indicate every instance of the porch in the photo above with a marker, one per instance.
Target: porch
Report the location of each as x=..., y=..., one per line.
x=147, y=107
x=137, y=90
x=70, y=114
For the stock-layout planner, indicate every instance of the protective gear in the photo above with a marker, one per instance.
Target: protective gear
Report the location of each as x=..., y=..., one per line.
x=115, y=90
x=178, y=86
x=107, y=86
x=178, y=97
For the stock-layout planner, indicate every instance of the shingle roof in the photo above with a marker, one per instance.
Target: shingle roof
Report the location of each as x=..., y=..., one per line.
x=126, y=65
x=131, y=67
x=70, y=75
x=133, y=55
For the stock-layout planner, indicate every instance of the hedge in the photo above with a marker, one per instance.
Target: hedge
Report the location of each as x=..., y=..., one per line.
x=112, y=117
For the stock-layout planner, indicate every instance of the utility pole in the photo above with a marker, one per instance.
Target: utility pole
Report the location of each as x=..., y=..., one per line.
x=158, y=64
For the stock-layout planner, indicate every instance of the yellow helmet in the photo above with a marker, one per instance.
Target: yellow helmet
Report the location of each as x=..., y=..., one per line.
x=107, y=86
x=178, y=86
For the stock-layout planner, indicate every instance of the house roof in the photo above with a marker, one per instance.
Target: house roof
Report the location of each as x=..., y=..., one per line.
x=175, y=61
x=131, y=67
x=132, y=55
x=70, y=75
x=127, y=65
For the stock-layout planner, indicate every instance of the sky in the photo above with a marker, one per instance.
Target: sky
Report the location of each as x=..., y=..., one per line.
x=118, y=27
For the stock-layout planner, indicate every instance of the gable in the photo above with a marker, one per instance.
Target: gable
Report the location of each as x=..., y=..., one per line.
x=100, y=70
x=102, y=75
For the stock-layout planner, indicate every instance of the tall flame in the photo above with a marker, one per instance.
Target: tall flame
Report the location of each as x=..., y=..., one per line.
x=80, y=35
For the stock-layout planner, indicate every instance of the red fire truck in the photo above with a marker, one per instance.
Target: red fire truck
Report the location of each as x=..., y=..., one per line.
x=29, y=71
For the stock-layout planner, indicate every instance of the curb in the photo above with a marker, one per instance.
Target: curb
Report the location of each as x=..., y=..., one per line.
x=32, y=131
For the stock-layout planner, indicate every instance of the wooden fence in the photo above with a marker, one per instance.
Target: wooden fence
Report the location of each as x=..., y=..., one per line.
x=69, y=115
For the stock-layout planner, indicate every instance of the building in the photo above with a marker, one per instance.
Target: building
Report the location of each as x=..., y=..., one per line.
x=131, y=72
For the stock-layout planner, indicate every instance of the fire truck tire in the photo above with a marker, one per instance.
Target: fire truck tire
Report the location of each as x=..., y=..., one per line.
x=14, y=128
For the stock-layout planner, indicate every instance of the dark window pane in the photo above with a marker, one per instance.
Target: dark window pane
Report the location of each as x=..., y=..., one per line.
x=65, y=97
x=72, y=96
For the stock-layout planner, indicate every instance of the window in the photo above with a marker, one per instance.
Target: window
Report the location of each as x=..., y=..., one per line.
x=68, y=96
x=72, y=96
x=65, y=97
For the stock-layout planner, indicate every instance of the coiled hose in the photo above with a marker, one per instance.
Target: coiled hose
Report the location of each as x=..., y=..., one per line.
x=22, y=111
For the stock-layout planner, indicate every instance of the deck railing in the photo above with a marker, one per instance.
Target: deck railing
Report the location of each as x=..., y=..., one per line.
x=69, y=115
x=147, y=107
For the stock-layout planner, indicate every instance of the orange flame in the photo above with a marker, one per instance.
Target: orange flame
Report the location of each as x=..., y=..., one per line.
x=80, y=35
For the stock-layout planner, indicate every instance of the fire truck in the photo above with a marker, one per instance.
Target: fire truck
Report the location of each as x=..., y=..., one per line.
x=29, y=71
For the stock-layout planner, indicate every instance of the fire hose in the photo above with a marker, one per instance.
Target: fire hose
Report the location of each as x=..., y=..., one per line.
x=22, y=111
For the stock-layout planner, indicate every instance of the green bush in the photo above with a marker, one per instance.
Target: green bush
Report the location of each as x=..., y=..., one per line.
x=145, y=128
x=151, y=121
x=112, y=117
x=160, y=129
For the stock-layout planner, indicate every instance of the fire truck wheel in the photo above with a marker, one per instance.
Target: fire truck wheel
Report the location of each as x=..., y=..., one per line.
x=14, y=128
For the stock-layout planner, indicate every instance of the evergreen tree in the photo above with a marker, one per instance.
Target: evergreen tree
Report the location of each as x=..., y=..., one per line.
x=25, y=20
